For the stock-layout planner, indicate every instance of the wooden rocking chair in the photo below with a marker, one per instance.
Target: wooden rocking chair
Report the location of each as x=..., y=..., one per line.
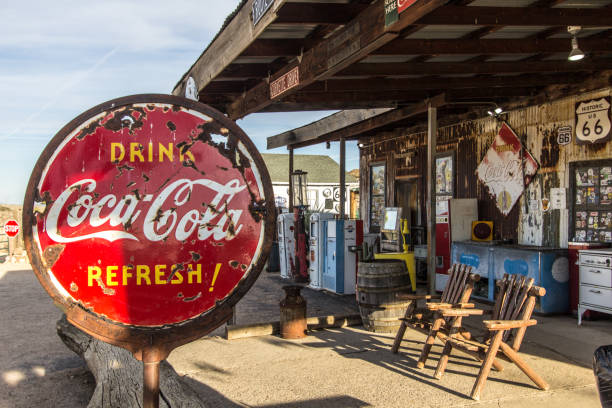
x=516, y=300
x=457, y=291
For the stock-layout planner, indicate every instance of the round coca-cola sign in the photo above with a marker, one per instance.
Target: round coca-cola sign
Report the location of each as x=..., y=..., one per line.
x=149, y=211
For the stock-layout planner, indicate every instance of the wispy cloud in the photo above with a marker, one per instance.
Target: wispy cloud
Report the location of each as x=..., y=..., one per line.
x=67, y=86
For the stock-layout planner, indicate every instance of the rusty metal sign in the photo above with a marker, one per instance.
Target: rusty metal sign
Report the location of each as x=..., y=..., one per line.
x=506, y=169
x=147, y=218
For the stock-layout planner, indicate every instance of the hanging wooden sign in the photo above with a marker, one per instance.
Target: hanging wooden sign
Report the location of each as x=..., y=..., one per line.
x=287, y=81
x=593, y=121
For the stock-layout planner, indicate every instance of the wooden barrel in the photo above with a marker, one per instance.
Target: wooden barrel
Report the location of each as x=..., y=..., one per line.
x=378, y=283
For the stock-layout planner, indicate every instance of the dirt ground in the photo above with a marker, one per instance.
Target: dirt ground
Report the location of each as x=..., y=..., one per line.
x=337, y=368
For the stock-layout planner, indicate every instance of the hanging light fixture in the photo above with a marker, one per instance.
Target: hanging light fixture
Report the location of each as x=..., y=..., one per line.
x=495, y=112
x=576, y=53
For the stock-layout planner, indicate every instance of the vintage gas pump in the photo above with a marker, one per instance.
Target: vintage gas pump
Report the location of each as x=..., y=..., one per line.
x=300, y=204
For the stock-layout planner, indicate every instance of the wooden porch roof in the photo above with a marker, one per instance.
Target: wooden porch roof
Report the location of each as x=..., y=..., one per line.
x=459, y=55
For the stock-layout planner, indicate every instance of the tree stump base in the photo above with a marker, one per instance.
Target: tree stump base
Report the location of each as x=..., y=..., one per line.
x=119, y=375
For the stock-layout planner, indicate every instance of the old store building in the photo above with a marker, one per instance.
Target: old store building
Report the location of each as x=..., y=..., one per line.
x=447, y=98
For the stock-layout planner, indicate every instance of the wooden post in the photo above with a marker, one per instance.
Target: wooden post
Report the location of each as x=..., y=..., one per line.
x=290, y=179
x=432, y=130
x=342, y=177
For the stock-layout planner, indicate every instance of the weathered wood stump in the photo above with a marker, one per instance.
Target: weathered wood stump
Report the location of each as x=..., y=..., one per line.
x=119, y=375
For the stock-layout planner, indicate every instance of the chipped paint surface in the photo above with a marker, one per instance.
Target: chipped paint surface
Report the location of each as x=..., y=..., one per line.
x=404, y=152
x=136, y=232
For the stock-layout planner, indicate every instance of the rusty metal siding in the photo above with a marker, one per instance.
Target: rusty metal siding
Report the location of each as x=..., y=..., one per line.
x=536, y=126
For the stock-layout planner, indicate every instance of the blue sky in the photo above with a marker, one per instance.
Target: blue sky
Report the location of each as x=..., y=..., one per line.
x=59, y=59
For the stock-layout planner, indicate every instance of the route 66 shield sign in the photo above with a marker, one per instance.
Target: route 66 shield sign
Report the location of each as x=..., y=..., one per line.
x=593, y=121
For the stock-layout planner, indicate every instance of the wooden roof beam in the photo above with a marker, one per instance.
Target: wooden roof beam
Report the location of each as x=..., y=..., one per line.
x=508, y=16
x=228, y=45
x=318, y=13
x=323, y=126
x=427, y=83
x=357, y=128
x=273, y=48
x=395, y=97
x=492, y=46
x=449, y=68
x=357, y=39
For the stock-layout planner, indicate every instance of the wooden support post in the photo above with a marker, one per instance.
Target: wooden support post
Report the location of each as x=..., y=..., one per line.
x=342, y=178
x=290, y=179
x=432, y=130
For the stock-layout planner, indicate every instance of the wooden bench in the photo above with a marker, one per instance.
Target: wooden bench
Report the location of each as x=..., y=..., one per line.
x=514, y=305
x=458, y=290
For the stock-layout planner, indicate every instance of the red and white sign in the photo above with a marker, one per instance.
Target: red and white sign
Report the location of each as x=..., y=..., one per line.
x=404, y=4
x=502, y=170
x=11, y=228
x=149, y=213
x=289, y=80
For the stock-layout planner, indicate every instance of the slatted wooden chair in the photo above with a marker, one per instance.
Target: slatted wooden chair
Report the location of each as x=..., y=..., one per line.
x=457, y=292
x=514, y=305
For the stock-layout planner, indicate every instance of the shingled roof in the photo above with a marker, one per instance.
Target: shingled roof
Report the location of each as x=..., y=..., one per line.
x=320, y=168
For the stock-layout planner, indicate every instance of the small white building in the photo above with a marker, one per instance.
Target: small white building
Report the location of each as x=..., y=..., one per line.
x=323, y=182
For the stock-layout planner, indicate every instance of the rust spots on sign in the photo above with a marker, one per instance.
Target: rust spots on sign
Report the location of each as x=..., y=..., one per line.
x=52, y=254
x=174, y=270
x=123, y=168
x=243, y=267
x=73, y=287
x=195, y=256
x=130, y=118
x=192, y=298
x=234, y=264
x=105, y=290
x=171, y=125
x=42, y=204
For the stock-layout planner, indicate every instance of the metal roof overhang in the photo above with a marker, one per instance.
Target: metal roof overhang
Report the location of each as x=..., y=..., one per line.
x=459, y=55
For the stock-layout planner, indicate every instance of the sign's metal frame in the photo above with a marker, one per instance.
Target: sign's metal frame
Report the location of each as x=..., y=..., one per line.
x=148, y=344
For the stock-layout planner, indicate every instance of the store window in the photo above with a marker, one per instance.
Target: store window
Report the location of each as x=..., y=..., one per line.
x=591, y=188
x=377, y=195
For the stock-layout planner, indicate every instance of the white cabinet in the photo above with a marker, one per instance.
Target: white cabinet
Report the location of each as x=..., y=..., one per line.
x=595, y=292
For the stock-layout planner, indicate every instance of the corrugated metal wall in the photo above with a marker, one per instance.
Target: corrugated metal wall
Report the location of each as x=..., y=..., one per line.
x=537, y=126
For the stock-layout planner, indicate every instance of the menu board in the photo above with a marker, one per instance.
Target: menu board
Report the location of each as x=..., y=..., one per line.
x=593, y=204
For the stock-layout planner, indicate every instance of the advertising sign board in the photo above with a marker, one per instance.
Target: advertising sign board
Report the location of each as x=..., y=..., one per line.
x=147, y=218
x=506, y=169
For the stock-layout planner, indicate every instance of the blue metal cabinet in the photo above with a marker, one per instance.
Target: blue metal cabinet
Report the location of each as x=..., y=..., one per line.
x=549, y=267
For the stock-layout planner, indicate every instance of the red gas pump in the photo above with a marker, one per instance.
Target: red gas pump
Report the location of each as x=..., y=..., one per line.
x=300, y=269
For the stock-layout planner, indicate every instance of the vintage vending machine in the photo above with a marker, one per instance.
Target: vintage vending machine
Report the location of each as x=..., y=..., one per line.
x=286, y=244
x=453, y=223
x=317, y=248
x=340, y=265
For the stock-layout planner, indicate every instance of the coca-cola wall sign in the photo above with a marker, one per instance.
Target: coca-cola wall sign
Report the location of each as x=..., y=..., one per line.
x=149, y=211
x=506, y=169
